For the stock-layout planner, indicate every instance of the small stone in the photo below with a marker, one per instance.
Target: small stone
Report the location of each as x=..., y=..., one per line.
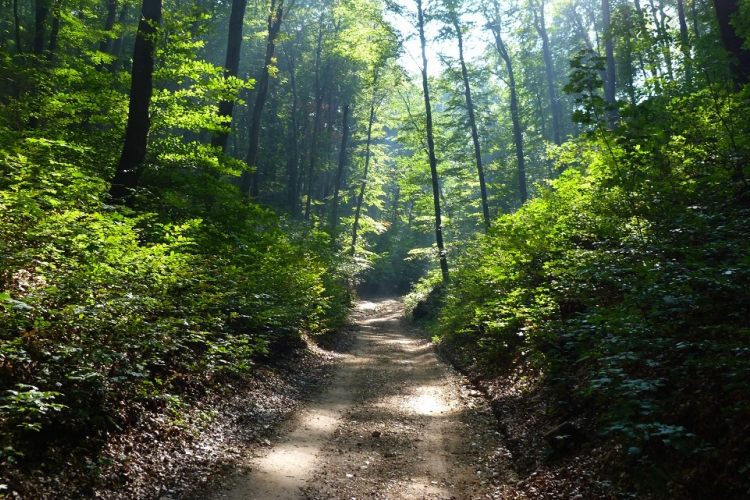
x=376, y=434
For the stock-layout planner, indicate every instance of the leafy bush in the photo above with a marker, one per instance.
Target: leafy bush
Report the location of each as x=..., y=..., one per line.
x=625, y=282
x=105, y=313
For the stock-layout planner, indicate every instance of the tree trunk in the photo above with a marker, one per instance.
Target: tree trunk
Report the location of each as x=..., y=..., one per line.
x=17, y=21
x=40, y=21
x=133, y=155
x=274, y=25
x=106, y=43
x=292, y=193
x=694, y=12
x=55, y=31
x=231, y=67
x=517, y=133
x=740, y=64
x=117, y=45
x=685, y=45
x=472, y=123
x=431, y=147
x=363, y=186
x=339, y=174
x=609, y=84
x=316, y=123
x=549, y=71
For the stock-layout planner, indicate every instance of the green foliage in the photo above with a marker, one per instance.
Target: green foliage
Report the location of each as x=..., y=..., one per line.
x=625, y=281
x=102, y=306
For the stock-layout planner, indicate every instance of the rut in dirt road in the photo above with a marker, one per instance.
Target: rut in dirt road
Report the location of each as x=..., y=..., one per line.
x=395, y=423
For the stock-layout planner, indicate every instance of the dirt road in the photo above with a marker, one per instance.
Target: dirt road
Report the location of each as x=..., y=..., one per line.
x=394, y=423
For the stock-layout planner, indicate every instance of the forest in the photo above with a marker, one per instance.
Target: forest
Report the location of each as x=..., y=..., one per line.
x=191, y=190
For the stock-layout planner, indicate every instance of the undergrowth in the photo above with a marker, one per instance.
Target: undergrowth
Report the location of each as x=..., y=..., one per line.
x=625, y=284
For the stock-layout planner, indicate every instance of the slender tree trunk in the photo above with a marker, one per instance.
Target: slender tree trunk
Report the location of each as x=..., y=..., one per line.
x=431, y=147
x=17, y=22
x=231, y=67
x=694, y=15
x=316, y=123
x=292, y=192
x=645, y=33
x=55, y=31
x=274, y=25
x=363, y=185
x=339, y=174
x=105, y=43
x=396, y=196
x=549, y=71
x=133, y=155
x=40, y=22
x=517, y=133
x=733, y=43
x=117, y=45
x=685, y=45
x=472, y=123
x=313, y=156
x=609, y=51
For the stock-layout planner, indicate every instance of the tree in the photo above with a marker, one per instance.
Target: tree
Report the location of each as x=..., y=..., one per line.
x=133, y=156
x=363, y=185
x=726, y=10
x=231, y=67
x=495, y=26
x=339, y=173
x=275, y=17
x=453, y=19
x=431, y=145
x=541, y=28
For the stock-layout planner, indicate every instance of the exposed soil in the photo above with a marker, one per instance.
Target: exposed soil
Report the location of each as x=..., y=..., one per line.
x=395, y=423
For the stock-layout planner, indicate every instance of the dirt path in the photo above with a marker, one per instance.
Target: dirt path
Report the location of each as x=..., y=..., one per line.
x=395, y=423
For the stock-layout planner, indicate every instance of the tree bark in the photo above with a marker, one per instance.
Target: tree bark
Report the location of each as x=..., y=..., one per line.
x=541, y=28
x=339, y=174
x=316, y=123
x=740, y=64
x=431, y=147
x=609, y=84
x=231, y=67
x=40, y=22
x=292, y=190
x=363, y=185
x=55, y=31
x=117, y=45
x=251, y=182
x=472, y=123
x=105, y=44
x=685, y=45
x=130, y=167
x=17, y=22
x=517, y=133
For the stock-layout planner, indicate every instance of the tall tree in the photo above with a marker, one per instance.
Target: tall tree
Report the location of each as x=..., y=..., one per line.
x=40, y=24
x=431, y=145
x=495, y=24
x=363, y=185
x=541, y=28
x=133, y=155
x=320, y=90
x=733, y=42
x=231, y=67
x=609, y=51
x=453, y=18
x=275, y=17
x=339, y=172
